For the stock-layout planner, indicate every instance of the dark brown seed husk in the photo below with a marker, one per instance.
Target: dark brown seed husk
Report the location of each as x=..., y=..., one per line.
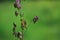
x=21, y=38
x=13, y=29
x=14, y=33
x=35, y=19
x=21, y=14
x=18, y=34
x=14, y=24
x=16, y=13
x=15, y=5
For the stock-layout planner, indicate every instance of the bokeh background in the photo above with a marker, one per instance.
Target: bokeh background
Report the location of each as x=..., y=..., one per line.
x=46, y=28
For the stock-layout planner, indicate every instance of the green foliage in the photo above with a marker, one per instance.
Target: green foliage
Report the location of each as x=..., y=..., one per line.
x=47, y=27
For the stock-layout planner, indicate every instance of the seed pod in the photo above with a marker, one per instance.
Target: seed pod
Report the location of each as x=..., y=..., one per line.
x=23, y=24
x=15, y=34
x=35, y=19
x=21, y=14
x=18, y=6
x=21, y=38
x=13, y=29
x=14, y=24
x=18, y=34
x=16, y=13
x=17, y=1
x=15, y=5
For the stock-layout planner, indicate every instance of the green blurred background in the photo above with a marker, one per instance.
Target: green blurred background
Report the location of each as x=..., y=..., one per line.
x=46, y=28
